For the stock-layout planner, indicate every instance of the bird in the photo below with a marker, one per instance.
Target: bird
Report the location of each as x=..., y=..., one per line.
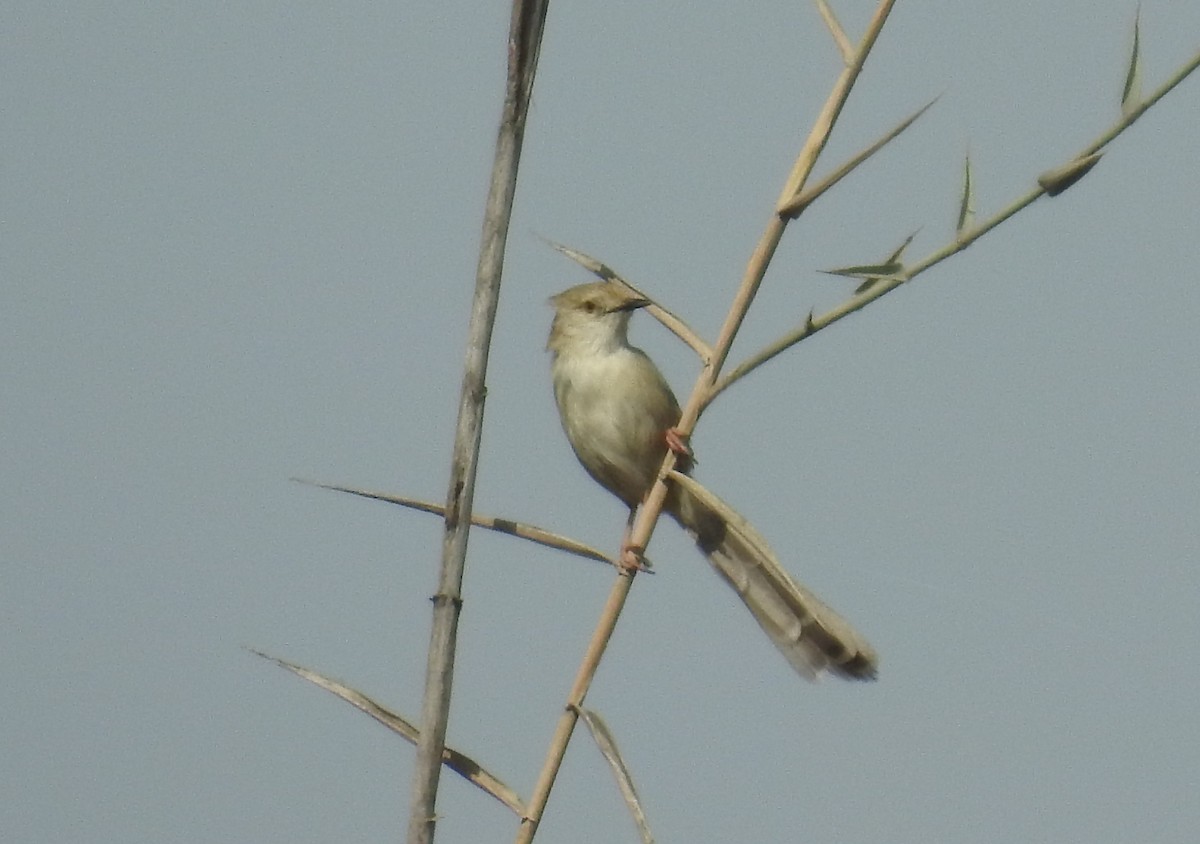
x=619, y=415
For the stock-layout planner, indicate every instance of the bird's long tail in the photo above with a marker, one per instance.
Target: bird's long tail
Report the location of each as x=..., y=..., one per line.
x=808, y=633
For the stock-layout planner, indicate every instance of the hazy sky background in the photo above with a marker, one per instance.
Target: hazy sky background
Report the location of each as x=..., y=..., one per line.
x=237, y=244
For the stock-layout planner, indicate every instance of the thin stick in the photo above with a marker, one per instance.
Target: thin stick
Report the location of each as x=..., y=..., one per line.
x=524, y=44
x=570, y=715
x=835, y=29
x=823, y=127
x=962, y=240
x=651, y=508
x=812, y=194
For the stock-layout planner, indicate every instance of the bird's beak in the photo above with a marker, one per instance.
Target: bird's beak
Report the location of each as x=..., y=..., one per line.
x=632, y=302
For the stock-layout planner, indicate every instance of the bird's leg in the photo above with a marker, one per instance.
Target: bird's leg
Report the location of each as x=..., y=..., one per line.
x=631, y=559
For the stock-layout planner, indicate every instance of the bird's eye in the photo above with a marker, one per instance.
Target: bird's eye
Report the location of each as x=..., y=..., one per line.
x=590, y=306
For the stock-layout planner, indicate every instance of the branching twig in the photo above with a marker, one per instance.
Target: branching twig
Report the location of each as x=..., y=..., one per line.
x=810, y=195
x=823, y=127
x=835, y=29
x=525, y=38
x=1052, y=183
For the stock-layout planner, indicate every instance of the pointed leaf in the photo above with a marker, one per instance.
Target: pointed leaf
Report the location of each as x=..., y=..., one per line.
x=608, y=747
x=895, y=257
x=873, y=273
x=1131, y=96
x=521, y=530
x=889, y=268
x=460, y=763
x=596, y=268
x=966, y=207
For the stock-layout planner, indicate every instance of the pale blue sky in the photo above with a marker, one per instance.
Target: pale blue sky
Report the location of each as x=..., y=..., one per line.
x=237, y=244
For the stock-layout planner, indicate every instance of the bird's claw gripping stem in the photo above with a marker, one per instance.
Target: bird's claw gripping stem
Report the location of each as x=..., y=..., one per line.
x=678, y=444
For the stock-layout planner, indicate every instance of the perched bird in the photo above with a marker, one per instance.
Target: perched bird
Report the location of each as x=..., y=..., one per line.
x=619, y=415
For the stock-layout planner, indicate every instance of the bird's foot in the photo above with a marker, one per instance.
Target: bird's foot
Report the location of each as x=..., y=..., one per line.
x=632, y=559
x=680, y=447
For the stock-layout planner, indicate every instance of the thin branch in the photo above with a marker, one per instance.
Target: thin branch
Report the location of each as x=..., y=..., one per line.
x=566, y=722
x=823, y=127
x=1076, y=167
x=810, y=195
x=835, y=29
x=524, y=45
x=460, y=763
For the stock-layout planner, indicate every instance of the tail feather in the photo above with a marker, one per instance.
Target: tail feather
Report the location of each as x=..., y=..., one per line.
x=806, y=631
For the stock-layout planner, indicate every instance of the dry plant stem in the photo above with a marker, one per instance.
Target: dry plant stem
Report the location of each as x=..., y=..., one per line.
x=570, y=715
x=835, y=29
x=812, y=194
x=524, y=44
x=823, y=126
x=648, y=514
x=964, y=239
x=767, y=244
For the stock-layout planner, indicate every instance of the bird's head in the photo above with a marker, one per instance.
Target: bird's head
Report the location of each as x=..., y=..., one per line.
x=593, y=316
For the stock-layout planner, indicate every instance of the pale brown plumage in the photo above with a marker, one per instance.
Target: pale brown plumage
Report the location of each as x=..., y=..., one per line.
x=616, y=409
